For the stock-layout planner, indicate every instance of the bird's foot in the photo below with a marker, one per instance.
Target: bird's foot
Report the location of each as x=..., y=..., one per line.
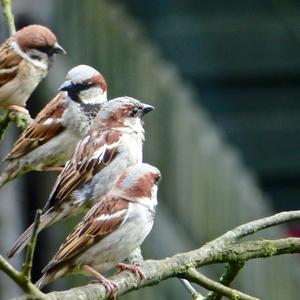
x=131, y=268
x=16, y=108
x=109, y=286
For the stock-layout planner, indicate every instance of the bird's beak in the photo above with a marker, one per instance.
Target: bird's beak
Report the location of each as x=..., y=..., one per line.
x=66, y=86
x=146, y=108
x=59, y=49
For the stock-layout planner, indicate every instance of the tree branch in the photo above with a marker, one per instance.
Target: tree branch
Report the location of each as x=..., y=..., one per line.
x=231, y=272
x=196, y=277
x=176, y=266
x=220, y=250
x=6, y=5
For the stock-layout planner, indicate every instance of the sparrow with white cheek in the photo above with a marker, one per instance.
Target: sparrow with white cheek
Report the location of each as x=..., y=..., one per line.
x=114, y=142
x=111, y=230
x=24, y=61
x=50, y=140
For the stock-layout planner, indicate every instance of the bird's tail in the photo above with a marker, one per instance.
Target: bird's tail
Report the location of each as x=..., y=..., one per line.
x=51, y=273
x=45, y=221
x=46, y=279
x=12, y=170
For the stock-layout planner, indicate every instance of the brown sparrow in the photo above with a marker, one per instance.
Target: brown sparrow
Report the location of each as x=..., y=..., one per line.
x=24, y=61
x=111, y=230
x=50, y=140
x=114, y=142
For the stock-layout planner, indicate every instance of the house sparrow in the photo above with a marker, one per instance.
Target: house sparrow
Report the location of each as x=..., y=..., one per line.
x=111, y=230
x=50, y=140
x=114, y=142
x=24, y=61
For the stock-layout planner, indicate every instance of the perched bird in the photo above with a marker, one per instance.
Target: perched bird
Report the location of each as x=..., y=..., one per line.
x=25, y=58
x=50, y=140
x=114, y=142
x=111, y=230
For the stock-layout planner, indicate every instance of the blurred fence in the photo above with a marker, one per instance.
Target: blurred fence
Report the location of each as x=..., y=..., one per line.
x=206, y=189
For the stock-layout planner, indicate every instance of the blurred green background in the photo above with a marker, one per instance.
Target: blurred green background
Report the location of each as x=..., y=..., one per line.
x=224, y=77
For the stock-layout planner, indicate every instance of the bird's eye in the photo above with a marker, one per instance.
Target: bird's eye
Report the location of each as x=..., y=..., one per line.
x=46, y=49
x=82, y=86
x=157, y=178
x=36, y=57
x=134, y=112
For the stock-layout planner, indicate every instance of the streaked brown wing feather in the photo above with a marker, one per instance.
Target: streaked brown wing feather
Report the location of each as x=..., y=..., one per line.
x=85, y=164
x=38, y=133
x=8, y=59
x=91, y=230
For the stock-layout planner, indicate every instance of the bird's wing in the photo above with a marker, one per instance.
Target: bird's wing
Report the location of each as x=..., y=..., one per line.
x=46, y=125
x=91, y=155
x=9, y=63
x=104, y=218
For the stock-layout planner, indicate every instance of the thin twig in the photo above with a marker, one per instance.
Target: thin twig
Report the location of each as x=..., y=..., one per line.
x=194, y=276
x=27, y=266
x=7, y=268
x=195, y=295
x=28, y=287
x=257, y=225
x=232, y=269
x=6, y=5
x=23, y=279
x=21, y=120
